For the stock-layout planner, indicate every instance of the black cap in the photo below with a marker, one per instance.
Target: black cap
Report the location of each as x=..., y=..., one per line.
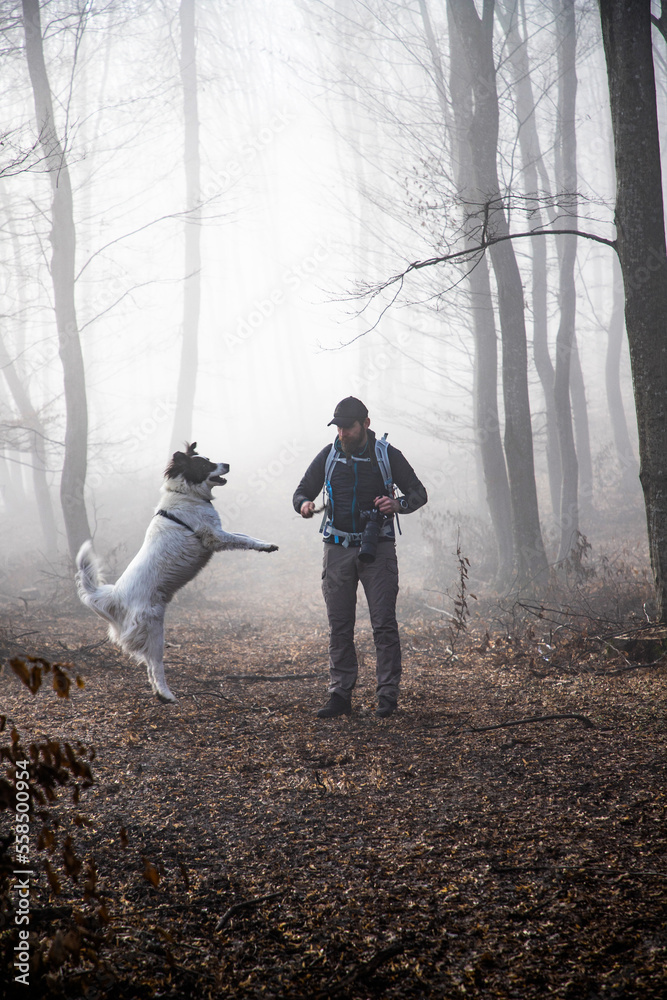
x=348, y=411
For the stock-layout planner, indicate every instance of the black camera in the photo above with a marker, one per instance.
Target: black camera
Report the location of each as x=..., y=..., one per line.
x=371, y=534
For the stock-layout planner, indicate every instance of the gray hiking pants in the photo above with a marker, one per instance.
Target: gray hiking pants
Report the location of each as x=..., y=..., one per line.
x=341, y=573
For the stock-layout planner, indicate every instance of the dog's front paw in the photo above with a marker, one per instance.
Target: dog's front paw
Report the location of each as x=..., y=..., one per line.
x=269, y=548
x=166, y=697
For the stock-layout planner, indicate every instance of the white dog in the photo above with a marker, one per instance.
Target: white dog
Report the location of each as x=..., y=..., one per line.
x=180, y=540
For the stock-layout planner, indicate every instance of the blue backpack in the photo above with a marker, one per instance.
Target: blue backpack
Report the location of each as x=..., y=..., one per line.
x=382, y=456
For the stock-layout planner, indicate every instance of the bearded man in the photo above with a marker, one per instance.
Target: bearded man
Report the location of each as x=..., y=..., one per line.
x=358, y=473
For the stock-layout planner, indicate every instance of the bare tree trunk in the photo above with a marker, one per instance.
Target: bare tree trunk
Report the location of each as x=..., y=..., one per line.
x=582, y=434
x=34, y=425
x=574, y=439
x=476, y=35
x=640, y=240
x=187, y=378
x=486, y=419
x=436, y=62
x=11, y=479
x=624, y=450
x=531, y=157
x=63, y=243
x=566, y=179
x=16, y=382
x=17, y=494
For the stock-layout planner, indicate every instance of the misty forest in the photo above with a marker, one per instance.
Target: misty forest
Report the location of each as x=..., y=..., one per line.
x=218, y=219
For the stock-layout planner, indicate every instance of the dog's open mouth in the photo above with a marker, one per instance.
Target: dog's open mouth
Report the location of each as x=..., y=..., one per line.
x=217, y=480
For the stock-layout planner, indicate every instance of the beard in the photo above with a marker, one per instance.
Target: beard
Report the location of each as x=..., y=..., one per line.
x=352, y=444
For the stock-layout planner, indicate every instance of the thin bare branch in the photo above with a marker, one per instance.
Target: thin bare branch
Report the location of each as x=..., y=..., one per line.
x=472, y=252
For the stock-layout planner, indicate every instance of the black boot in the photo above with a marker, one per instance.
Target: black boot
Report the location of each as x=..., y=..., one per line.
x=336, y=705
x=385, y=708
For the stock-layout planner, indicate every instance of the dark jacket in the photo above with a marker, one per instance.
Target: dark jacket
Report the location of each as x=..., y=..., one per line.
x=356, y=483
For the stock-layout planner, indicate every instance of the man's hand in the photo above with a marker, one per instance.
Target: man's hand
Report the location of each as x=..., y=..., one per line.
x=387, y=505
x=307, y=508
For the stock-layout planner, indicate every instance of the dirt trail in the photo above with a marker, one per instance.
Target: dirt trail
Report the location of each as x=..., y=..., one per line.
x=244, y=848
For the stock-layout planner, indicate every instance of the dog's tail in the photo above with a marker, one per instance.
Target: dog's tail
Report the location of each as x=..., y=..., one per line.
x=90, y=585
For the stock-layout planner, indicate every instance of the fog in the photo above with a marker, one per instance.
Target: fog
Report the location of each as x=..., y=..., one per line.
x=325, y=170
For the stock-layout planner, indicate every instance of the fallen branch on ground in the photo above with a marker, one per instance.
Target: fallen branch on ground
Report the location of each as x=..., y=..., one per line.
x=251, y=678
x=204, y=694
x=618, y=873
x=536, y=718
x=364, y=969
x=248, y=904
x=631, y=666
x=82, y=650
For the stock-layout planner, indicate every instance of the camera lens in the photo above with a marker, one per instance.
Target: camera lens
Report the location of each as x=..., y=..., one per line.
x=369, y=539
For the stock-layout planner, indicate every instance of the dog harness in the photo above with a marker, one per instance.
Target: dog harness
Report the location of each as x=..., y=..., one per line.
x=172, y=517
x=327, y=530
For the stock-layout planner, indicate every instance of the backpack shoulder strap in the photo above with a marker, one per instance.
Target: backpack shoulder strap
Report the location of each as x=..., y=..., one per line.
x=330, y=462
x=332, y=458
x=382, y=455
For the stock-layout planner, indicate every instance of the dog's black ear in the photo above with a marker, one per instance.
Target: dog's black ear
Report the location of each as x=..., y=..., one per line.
x=191, y=449
x=177, y=465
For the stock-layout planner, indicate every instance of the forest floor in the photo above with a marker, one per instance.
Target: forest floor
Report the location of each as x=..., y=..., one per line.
x=502, y=835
